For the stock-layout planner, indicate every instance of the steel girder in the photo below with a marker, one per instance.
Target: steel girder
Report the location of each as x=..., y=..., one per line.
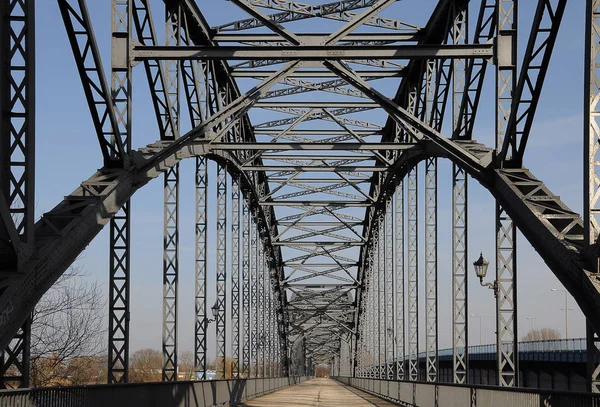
x=17, y=169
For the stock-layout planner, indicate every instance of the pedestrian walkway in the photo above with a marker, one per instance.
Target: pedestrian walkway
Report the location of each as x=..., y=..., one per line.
x=317, y=393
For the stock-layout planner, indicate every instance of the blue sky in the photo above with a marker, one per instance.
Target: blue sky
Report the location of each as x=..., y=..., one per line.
x=68, y=153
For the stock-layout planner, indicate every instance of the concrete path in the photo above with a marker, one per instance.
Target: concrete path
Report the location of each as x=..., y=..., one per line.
x=317, y=393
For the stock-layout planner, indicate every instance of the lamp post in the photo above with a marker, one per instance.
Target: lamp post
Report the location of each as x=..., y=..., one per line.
x=566, y=309
x=480, y=331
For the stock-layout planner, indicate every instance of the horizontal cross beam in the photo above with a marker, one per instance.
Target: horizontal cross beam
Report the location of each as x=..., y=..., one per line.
x=316, y=146
x=315, y=53
x=316, y=38
x=314, y=73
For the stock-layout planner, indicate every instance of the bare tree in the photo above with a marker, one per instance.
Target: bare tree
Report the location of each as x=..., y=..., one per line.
x=322, y=371
x=67, y=326
x=145, y=365
x=541, y=334
x=186, y=366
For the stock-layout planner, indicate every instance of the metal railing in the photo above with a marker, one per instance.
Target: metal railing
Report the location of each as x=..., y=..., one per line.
x=170, y=394
x=444, y=395
x=555, y=345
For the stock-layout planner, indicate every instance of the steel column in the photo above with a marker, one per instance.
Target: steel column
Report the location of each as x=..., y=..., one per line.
x=431, y=322
x=413, y=276
x=17, y=166
x=254, y=242
x=461, y=115
x=399, y=333
x=459, y=276
x=260, y=321
x=171, y=210
x=506, y=256
x=389, y=291
x=235, y=278
x=201, y=266
x=381, y=300
x=591, y=145
x=221, y=270
x=246, y=309
x=118, y=321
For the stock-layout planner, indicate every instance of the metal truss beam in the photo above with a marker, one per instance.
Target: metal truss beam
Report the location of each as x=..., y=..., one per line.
x=544, y=32
x=160, y=83
x=311, y=73
x=474, y=76
x=95, y=87
x=142, y=53
x=294, y=11
x=275, y=40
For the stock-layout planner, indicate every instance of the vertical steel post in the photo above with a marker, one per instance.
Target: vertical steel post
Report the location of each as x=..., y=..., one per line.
x=431, y=320
x=268, y=321
x=170, y=274
x=253, y=296
x=14, y=370
x=118, y=320
x=459, y=276
x=431, y=328
x=17, y=117
x=591, y=185
x=389, y=290
x=246, y=309
x=221, y=280
x=413, y=276
x=235, y=278
x=506, y=256
x=260, y=322
x=460, y=337
x=201, y=250
x=171, y=211
x=381, y=301
x=17, y=166
x=399, y=271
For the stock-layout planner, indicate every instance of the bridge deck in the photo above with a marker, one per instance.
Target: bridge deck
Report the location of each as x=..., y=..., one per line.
x=317, y=393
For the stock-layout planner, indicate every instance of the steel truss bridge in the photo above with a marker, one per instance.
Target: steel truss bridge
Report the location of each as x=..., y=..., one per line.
x=317, y=210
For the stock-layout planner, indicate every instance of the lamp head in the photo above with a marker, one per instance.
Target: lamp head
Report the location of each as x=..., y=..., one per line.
x=215, y=309
x=481, y=266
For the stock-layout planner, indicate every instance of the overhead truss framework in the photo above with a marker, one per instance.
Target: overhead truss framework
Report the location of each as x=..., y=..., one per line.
x=318, y=178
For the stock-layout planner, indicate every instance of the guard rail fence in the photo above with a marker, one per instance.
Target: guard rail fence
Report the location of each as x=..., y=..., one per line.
x=172, y=394
x=421, y=394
